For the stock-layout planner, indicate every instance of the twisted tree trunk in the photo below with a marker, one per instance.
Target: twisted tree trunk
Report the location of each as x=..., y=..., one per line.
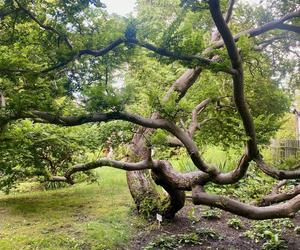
x=140, y=183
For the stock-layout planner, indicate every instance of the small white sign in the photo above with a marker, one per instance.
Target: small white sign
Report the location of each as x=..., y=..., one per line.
x=159, y=217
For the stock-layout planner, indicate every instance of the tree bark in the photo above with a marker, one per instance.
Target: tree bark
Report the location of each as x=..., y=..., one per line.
x=140, y=183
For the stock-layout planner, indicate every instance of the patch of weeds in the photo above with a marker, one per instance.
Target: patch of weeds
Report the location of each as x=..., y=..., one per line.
x=274, y=242
x=208, y=234
x=212, y=214
x=61, y=241
x=192, y=216
x=254, y=186
x=235, y=223
x=52, y=185
x=163, y=242
x=148, y=206
x=198, y=237
x=270, y=230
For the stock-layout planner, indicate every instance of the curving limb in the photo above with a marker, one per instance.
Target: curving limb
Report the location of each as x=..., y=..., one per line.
x=163, y=172
x=277, y=173
x=276, y=24
x=279, y=197
x=196, y=111
x=136, y=119
x=146, y=164
x=194, y=125
x=229, y=12
x=195, y=59
x=238, y=77
x=284, y=210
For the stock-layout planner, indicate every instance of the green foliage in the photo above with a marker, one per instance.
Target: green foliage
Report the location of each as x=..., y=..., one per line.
x=270, y=230
x=212, y=214
x=29, y=150
x=252, y=187
x=297, y=230
x=149, y=206
x=287, y=130
x=114, y=133
x=178, y=241
x=183, y=164
x=235, y=223
x=159, y=138
x=192, y=216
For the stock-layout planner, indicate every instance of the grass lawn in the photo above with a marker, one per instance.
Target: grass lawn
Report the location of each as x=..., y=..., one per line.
x=95, y=216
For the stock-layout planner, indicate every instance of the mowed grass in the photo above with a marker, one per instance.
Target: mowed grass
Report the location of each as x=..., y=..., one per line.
x=95, y=216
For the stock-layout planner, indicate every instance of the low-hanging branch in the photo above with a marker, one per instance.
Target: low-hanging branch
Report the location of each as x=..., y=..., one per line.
x=277, y=173
x=184, y=138
x=146, y=164
x=181, y=181
x=192, y=181
x=279, y=197
x=284, y=210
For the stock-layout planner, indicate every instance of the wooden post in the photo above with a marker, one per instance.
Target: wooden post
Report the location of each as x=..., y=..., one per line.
x=297, y=119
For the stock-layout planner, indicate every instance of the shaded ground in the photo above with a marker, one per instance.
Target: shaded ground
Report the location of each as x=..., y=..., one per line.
x=83, y=217
x=188, y=222
x=98, y=217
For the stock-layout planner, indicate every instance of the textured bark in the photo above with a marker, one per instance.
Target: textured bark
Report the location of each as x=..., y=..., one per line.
x=140, y=183
x=276, y=198
x=284, y=210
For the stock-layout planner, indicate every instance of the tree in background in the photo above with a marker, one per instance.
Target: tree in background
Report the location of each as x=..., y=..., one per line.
x=38, y=150
x=229, y=90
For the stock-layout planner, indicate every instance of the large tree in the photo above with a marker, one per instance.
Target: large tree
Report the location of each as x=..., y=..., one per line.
x=233, y=62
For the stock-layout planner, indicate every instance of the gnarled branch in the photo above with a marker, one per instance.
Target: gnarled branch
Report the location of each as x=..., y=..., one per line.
x=238, y=77
x=277, y=173
x=284, y=210
x=279, y=197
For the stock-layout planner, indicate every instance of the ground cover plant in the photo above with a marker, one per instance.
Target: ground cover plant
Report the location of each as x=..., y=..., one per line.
x=153, y=93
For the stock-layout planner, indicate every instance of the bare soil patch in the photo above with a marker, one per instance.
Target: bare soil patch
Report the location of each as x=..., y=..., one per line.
x=230, y=238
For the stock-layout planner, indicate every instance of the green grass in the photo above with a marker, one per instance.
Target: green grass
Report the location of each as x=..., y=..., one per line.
x=78, y=217
x=225, y=160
